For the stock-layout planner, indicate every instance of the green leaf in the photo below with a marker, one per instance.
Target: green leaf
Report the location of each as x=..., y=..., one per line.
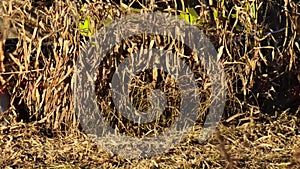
x=215, y=12
x=85, y=25
x=190, y=15
x=85, y=28
x=185, y=16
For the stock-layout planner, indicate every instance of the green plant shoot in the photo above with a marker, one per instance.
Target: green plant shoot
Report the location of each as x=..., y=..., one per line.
x=190, y=15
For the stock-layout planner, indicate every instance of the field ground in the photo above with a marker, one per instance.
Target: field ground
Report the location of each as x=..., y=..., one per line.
x=253, y=144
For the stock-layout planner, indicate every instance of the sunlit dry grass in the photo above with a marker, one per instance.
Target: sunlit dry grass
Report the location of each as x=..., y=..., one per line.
x=260, y=125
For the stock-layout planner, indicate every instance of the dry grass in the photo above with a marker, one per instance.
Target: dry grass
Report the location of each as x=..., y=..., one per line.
x=269, y=144
x=260, y=125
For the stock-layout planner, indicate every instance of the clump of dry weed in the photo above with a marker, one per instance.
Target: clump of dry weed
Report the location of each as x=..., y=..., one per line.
x=260, y=55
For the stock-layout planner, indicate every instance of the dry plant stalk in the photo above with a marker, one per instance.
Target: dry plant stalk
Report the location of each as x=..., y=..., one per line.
x=49, y=45
x=261, y=70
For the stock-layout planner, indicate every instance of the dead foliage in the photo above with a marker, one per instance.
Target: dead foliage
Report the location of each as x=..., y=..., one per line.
x=258, y=46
